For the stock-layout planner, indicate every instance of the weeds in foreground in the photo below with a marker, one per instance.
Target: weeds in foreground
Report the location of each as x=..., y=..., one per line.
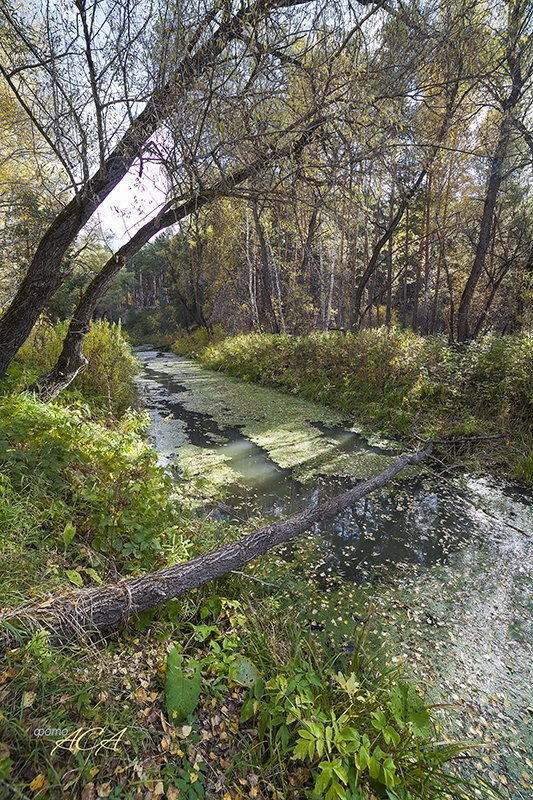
x=201, y=703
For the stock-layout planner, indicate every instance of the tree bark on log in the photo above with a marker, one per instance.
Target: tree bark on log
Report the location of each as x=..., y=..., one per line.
x=106, y=606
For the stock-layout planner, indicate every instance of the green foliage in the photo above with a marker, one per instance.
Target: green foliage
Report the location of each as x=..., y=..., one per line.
x=69, y=482
x=105, y=383
x=353, y=738
x=401, y=383
x=349, y=734
x=189, y=779
x=155, y=326
x=182, y=688
x=192, y=345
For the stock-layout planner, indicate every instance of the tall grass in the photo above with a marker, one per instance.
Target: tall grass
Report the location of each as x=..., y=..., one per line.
x=105, y=383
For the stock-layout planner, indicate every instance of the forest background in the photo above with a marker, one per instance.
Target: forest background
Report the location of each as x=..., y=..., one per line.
x=352, y=180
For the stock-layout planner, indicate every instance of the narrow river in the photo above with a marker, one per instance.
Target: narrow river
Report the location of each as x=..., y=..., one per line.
x=444, y=568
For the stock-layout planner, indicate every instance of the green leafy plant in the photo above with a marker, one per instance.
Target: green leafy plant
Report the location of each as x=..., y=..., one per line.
x=182, y=687
x=356, y=739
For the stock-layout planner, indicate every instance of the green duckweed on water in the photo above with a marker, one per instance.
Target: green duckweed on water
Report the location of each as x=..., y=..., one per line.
x=285, y=427
x=439, y=575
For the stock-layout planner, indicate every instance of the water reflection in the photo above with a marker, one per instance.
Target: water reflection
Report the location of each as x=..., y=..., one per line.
x=410, y=522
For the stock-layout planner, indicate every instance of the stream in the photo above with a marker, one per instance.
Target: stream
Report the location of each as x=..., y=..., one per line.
x=443, y=566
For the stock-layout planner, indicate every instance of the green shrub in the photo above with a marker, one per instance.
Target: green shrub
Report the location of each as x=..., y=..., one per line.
x=105, y=383
x=89, y=484
x=322, y=732
x=191, y=345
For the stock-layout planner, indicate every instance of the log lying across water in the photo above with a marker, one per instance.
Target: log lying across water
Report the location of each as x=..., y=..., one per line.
x=106, y=606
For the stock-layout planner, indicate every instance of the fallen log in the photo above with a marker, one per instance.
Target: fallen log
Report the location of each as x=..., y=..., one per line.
x=106, y=606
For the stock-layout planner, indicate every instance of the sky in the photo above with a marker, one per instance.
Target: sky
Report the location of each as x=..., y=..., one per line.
x=132, y=203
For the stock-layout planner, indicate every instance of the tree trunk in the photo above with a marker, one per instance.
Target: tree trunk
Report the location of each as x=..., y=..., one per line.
x=425, y=324
x=251, y=275
x=331, y=280
x=278, y=285
x=44, y=274
x=106, y=606
x=515, y=50
x=493, y=187
x=308, y=246
x=405, y=270
x=388, y=311
x=353, y=281
x=265, y=272
x=322, y=283
x=71, y=359
x=380, y=244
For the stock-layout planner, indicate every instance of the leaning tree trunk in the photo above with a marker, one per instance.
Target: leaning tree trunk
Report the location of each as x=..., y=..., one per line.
x=71, y=359
x=106, y=606
x=45, y=274
x=491, y=196
x=515, y=51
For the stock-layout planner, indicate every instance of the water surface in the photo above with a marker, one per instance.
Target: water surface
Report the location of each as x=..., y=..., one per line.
x=444, y=568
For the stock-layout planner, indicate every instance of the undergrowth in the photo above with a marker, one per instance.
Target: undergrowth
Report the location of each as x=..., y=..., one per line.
x=404, y=384
x=217, y=697
x=104, y=386
x=218, y=694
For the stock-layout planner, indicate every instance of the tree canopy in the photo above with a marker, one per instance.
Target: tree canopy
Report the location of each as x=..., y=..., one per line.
x=329, y=165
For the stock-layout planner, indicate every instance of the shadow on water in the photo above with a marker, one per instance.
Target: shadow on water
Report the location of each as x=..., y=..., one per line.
x=447, y=572
x=348, y=441
x=410, y=523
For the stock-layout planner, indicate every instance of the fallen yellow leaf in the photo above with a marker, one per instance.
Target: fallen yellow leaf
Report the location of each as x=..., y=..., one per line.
x=27, y=699
x=88, y=792
x=7, y=675
x=38, y=782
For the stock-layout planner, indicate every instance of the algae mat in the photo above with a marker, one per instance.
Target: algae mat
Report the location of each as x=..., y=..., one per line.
x=294, y=433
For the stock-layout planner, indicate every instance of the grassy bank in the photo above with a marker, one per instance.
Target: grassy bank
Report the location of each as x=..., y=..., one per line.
x=218, y=694
x=403, y=385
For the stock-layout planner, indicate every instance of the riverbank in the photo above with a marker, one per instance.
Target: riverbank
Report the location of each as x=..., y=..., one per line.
x=84, y=502
x=441, y=568
x=478, y=394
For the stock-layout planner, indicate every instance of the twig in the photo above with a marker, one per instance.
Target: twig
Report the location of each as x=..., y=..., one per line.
x=455, y=441
x=253, y=578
